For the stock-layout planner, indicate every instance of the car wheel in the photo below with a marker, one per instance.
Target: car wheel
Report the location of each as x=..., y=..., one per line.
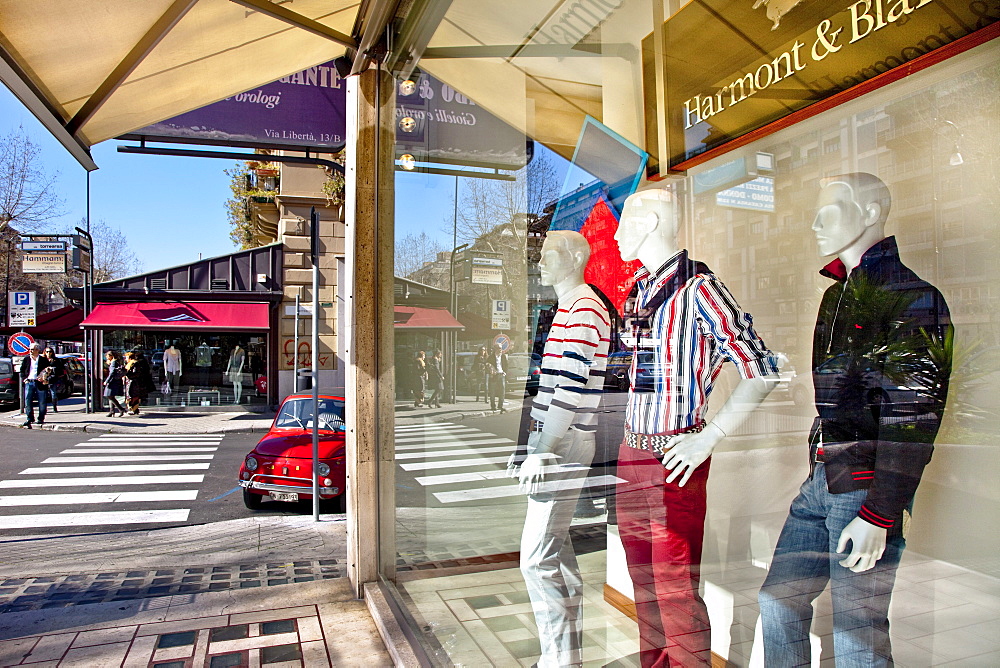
x=623, y=383
x=337, y=504
x=800, y=397
x=251, y=500
x=879, y=404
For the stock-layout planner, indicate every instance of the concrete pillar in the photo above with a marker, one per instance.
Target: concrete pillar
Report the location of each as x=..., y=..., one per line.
x=369, y=327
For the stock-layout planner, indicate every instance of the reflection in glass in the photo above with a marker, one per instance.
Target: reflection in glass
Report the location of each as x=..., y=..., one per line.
x=881, y=370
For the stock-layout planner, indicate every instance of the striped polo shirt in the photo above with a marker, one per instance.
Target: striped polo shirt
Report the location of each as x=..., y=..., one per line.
x=692, y=324
x=573, y=364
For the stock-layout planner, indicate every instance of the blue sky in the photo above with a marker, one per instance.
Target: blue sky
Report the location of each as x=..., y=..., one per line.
x=169, y=208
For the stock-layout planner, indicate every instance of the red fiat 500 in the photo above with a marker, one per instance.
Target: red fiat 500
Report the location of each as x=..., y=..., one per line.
x=280, y=466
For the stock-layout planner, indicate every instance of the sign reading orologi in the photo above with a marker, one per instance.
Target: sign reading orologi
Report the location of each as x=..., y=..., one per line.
x=731, y=68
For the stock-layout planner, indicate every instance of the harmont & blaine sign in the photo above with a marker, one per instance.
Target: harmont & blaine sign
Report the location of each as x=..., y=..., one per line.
x=733, y=66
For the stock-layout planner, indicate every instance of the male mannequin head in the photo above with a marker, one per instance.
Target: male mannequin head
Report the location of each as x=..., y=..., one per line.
x=564, y=257
x=648, y=227
x=850, y=216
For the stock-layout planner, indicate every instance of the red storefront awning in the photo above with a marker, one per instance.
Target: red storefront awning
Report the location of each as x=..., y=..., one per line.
x=417, y=317
x=59, y=325
x=232, y=316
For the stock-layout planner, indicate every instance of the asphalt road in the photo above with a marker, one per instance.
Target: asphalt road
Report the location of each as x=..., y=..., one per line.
x=64, y=483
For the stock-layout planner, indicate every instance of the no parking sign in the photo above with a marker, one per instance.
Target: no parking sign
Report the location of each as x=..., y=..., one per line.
x=20, y=344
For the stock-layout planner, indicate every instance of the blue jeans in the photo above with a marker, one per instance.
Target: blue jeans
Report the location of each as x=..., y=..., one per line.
x=805, y=560
x=33, y=390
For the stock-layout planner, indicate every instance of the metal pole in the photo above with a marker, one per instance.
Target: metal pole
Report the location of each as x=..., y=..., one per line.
x=295, y=364
x=314, y=218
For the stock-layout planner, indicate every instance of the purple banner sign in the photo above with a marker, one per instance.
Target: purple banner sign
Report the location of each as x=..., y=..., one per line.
x=303, y=109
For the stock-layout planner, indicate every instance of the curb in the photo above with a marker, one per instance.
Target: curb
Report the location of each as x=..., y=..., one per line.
x=104, y=429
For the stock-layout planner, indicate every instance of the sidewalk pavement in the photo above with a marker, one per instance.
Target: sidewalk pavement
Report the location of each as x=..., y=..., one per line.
x=252, y=591
x=465, y=407
x=72, y=417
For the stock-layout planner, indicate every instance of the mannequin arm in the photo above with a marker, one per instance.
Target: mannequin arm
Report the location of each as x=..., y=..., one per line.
x=532, y=471
x=689, y=451
x=867, y=545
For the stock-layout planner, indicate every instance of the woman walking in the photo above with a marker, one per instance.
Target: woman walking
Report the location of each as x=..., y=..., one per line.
x=138, y=380
x=481, y=374
x=435, y=379
x=419, y=378
x=114, y=385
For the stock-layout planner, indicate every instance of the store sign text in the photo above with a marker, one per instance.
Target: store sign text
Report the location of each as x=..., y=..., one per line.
x=864, y=18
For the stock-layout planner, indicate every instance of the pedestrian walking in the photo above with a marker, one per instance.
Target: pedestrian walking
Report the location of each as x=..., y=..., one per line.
x=138, y=380
x=57, y=378
x=481, y=374
x=419, y=378
x=114, y=382
x=498, y=365
x=435, y=379
x=34, y=375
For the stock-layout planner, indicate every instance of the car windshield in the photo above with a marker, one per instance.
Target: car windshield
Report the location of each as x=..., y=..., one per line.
x=298, y=413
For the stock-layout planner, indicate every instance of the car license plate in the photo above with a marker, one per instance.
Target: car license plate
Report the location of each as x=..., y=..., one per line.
x=284, y=496
x=522, y=378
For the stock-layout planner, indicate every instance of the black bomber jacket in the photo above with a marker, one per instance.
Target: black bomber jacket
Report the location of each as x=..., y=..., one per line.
x=881, y=366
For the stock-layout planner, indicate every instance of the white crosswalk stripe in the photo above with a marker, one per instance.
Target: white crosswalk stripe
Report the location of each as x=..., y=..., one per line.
x=167, y=471
x=444, y=447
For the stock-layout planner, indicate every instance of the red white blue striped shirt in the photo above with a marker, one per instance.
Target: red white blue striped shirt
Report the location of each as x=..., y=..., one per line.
x=573, y=364
x=694, y=325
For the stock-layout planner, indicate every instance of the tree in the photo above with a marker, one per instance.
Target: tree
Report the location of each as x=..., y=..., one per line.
x=27, y=192
x=413, y=250
x=113, y=257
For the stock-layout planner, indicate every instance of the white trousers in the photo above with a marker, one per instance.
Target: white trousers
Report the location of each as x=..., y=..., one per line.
x=548, y=562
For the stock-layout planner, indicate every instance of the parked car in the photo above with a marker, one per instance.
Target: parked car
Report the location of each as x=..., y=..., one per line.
x=8, y=382
x=884, y=397
x=525, y=372
x=76, y=374
x=279, y=468
x=616, y=375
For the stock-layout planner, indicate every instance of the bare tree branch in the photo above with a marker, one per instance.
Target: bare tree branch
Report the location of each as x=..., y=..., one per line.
x=27, y=192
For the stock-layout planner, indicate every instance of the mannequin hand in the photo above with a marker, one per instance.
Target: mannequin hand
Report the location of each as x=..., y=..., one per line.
x=532, y=473
x=689, y=451
x=867, y=545
x=513, y=468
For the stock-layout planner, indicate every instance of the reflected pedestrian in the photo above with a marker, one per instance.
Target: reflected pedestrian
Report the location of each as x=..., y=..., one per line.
x=138, y=380
x=34, y=377
x=114, y=382
x=419, y=378
x=435, y=379
x=56, y=379
x=481, y=374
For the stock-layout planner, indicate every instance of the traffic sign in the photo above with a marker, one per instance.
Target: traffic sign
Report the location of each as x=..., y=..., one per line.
x=504, y=342
x=21, y=309
x=501, y=314
x=20, y=344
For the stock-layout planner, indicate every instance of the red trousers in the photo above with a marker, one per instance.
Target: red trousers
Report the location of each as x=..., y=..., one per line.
x=662, y=527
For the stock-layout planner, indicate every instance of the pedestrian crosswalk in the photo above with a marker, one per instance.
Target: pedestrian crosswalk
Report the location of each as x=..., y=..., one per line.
x=432, y=452
x=141, y=480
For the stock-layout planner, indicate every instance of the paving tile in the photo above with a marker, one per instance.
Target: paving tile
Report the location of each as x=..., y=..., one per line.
x=280, y=653
x=140, y=653
x=104, y=636
x=176, y=639
x=50, y=648
x=229, y=633
x=314, y=654
x=309, y=629
x=243, y=644
x=12, y=652
x=956, y=644
x=96, y=656
x=270, y=615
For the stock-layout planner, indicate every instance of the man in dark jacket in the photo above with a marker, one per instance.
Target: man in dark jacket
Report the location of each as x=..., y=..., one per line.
x=32, y=366
x=497, y=366
x=881, y=349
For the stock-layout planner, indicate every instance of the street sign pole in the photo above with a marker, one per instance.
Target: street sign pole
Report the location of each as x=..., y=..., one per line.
x=314, y=248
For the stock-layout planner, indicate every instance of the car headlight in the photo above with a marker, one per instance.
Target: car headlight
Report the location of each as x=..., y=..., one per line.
x=251, y=464
x=323, y=469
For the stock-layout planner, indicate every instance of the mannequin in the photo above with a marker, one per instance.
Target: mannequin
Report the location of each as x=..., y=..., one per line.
x=234, y=371
x=694, y=325
x=203, y=360
x=864, y=470
x=560, y=447
x=173, y=366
